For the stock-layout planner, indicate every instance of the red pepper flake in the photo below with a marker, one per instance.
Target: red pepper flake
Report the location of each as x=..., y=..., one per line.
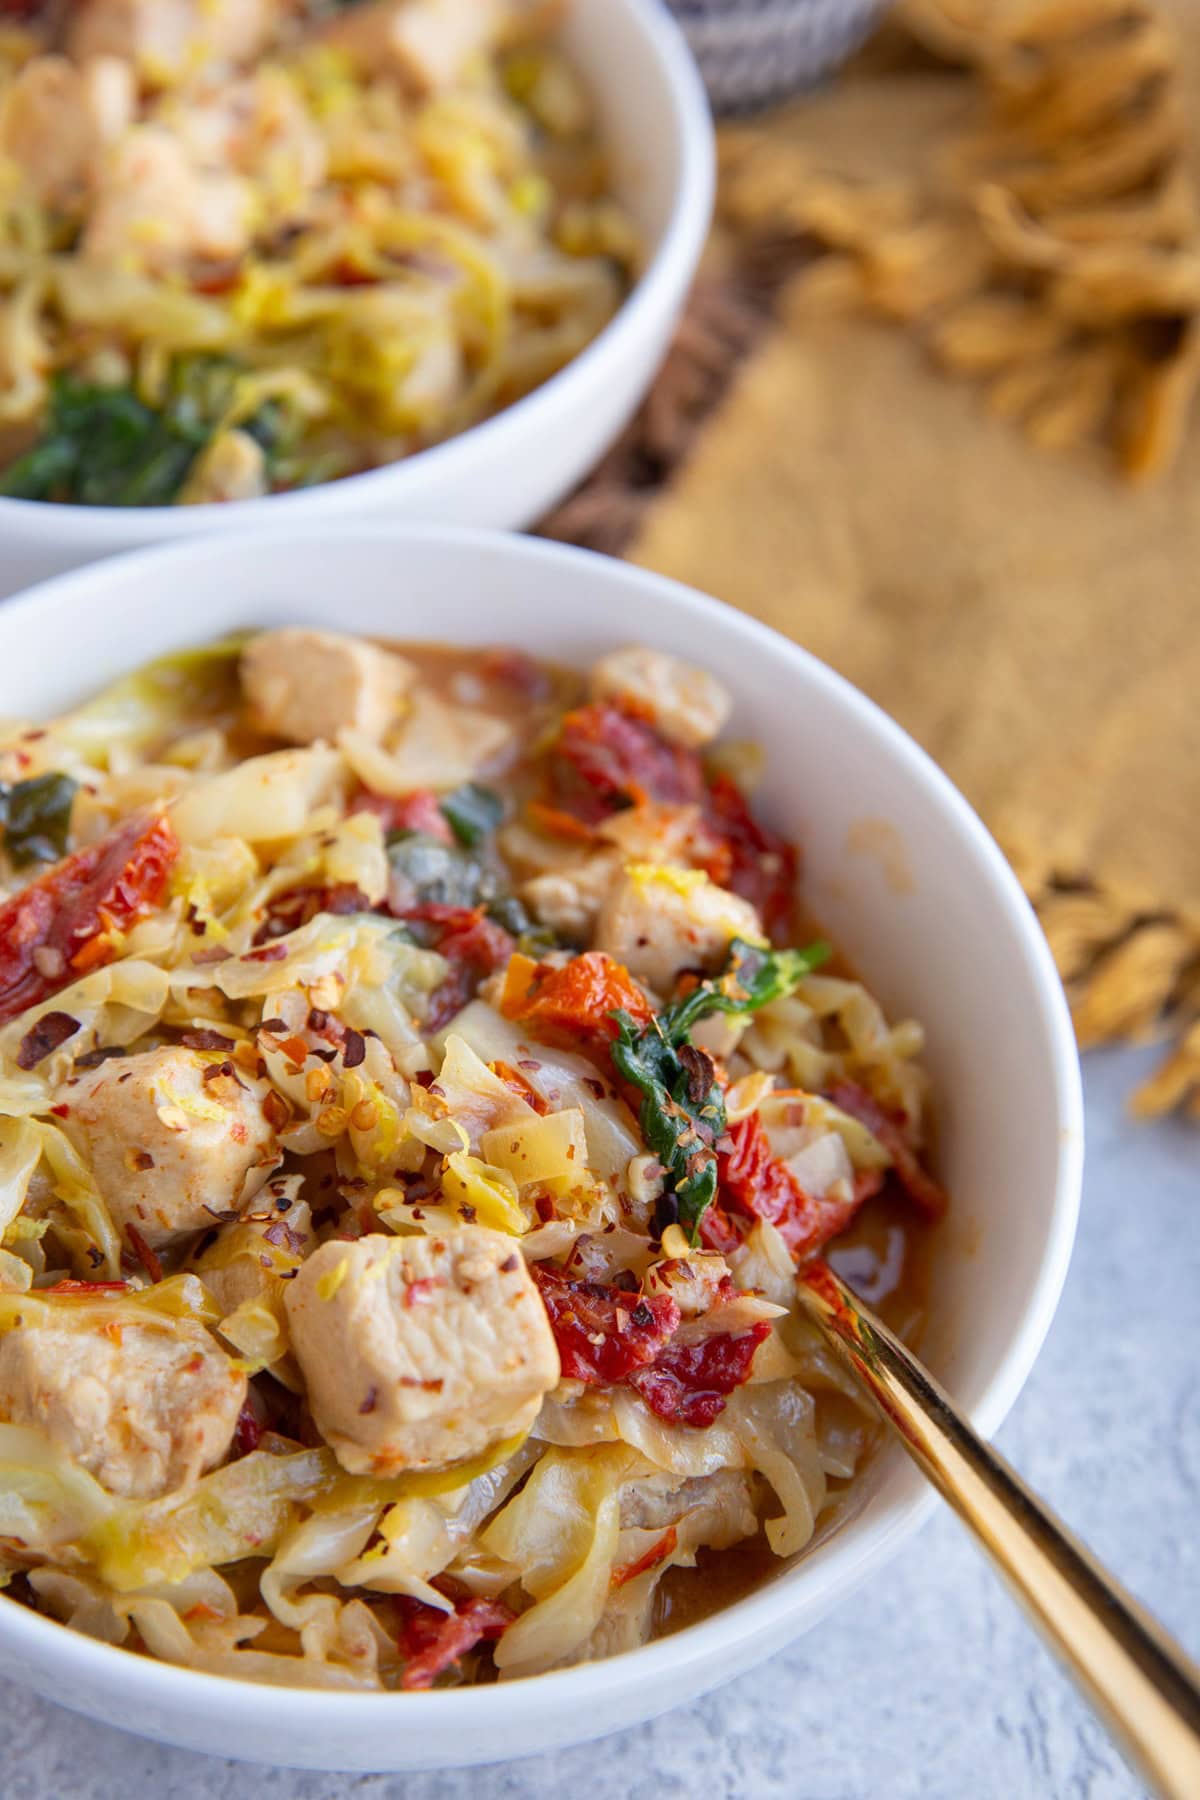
x=296, y=1051
x=432, y=1642
x=513, y=1078
x=201, y=959
x=86, y=1287
x=276, y=1110
x=354, y=1049
x=420, y=1292
x=144, y=1253
x=269, y=953
x=281, y=1234
x=655, y=1554
x=61, y=1112
x=51, y=1030
x=206, y=1040
x=371, y=1401
x=142, y=1160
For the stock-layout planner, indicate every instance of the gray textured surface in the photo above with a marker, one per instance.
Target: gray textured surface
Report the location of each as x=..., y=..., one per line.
x=931, y=1685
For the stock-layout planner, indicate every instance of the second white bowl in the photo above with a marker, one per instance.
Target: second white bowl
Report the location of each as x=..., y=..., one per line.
x=510, y=469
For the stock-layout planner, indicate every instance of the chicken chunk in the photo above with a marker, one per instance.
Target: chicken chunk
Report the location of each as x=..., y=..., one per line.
x=420, y=1351
x=683, y=702
x=305, y=685
x=569, y=900
x=659, y=920
x=424, y=43
x=257, y=126
x=155, y=207
x=171, y=1138
x=145, y=1412
x=167, y=39
x=56, y=119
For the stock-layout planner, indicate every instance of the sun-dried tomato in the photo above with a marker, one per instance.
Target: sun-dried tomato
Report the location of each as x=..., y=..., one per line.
x=75, y=912
x=474, y=946
x=605, y=758
x=756, y=862
x=418, y=811
x=573, y=1005
x=247, y=1433
x=433, y=1641
x=603, y=1333
x=889, y=1128
x=755, y=1182
x=688, y=1384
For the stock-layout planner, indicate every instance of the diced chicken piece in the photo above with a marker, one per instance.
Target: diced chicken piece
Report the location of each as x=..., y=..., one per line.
x=145, y=1411
x=257, y=126
x=171, y=1138
x=569, y=900
x=659, y=920
x=305, y=685
x=719, y=1506
x=420, y=1351
x=56, y=119
x=425, y=43
x=154, y=208
x=683, y=702
x=167, y=39
x=695, y=1283
x=233, y=467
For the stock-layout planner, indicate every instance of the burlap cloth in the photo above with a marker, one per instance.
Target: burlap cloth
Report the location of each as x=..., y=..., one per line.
x=1031, y=618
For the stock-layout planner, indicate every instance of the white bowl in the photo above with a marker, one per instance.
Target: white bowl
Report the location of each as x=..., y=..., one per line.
x=936, y=924
x=509, y=470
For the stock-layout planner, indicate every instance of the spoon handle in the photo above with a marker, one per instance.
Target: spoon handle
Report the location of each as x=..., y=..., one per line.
x=1141, y=1683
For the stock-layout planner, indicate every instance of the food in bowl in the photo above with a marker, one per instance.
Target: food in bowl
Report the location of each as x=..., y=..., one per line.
x=249, y=247
x=415, y=1109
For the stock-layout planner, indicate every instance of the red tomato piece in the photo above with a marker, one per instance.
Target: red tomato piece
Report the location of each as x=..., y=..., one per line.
x=606, y=758
x=433, y=1641
x=754, y=1182
x=474, y=946
x=689, y=1384
x=73, y=914
x=418, y=811
x=576, y=1002
x=603, y=1333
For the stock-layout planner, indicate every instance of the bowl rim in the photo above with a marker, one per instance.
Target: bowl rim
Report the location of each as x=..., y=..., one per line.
x=840, y=1562
x=662, y=282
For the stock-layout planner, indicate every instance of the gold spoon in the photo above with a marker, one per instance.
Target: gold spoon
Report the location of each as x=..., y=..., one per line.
x=1141, y=1683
